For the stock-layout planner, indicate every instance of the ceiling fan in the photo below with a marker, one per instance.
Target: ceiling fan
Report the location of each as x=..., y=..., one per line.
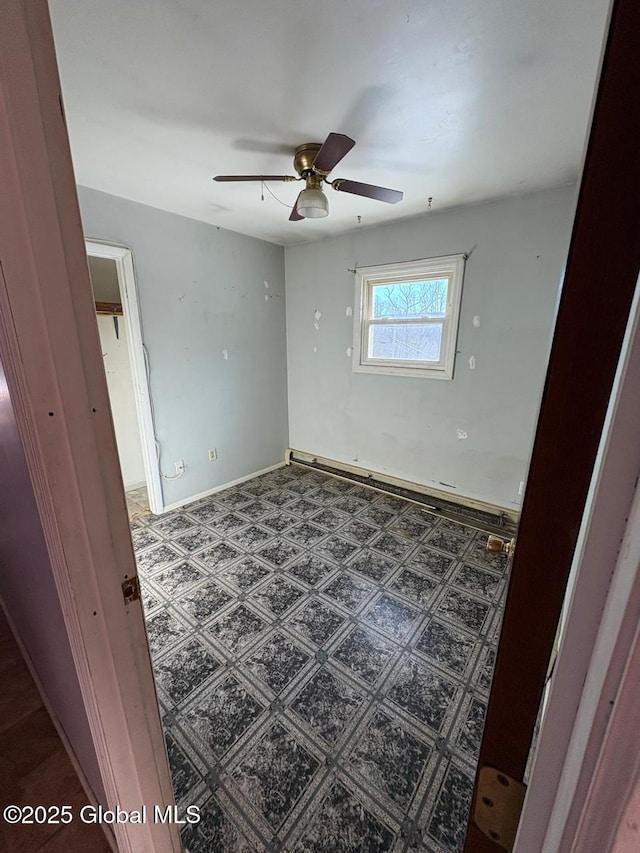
x=313, y=162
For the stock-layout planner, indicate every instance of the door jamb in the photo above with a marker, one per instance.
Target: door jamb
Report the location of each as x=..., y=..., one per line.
x=50, y=349
x=123, y=258
x=596, y=636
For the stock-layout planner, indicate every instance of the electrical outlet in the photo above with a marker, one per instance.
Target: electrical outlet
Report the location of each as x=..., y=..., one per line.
x=179, y=467
x=213, y=454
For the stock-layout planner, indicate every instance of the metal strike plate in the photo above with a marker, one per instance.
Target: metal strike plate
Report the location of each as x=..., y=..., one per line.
x=498, y=806
x=131, y=589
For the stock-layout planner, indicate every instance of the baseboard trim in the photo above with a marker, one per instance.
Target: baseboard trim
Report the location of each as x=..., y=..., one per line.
x=91, y=797
x=502, y=517
x=221, y=488
x=133, y=486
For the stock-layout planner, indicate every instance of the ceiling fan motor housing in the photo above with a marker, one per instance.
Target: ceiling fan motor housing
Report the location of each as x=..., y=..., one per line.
x=303, y=158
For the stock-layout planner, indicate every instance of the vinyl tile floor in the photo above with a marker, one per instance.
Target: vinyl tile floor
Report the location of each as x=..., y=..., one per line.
x=323, y=654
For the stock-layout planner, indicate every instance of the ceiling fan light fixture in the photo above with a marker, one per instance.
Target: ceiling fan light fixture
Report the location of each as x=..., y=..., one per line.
x=313, y=204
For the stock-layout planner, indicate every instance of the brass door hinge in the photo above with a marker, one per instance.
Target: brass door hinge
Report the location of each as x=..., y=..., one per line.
x=498, y=806
x=131, y=589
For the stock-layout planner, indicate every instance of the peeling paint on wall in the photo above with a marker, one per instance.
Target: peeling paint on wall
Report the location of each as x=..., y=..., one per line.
x=266, y=284
x=461, y=434
x=472, y=362
x=349, y=310
x=315, y=349
x=349, y=351
x=266, y=297
x=317, y=314
x=476, y=321
x=225, y=354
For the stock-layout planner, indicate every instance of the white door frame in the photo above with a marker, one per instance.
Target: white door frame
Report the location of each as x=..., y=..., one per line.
x=597, y=643
x=51, y=353
x=123, y=259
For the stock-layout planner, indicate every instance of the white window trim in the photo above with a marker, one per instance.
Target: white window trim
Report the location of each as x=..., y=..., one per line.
x=446, y=266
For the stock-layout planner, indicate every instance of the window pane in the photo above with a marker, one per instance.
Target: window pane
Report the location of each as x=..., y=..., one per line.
x=412, y=342
x=410, y=299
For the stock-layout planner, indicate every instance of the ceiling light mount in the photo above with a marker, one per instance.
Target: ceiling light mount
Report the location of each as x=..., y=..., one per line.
x=304, y=156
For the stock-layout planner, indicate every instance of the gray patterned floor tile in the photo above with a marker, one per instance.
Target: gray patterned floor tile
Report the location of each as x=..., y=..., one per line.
x=317, y=622
x=184, y=776
x=391, y=616
x=305, y=534
x=251, y=537
x=278, y=596
x=372, y=565
x=219, y=555
x=414, y=585
x=202, y=603
x=327, y=704
x=163, y=631
x=446, y=645
x=154, y=558
x=278, y=553
x=428, y=560
x=221, y=716
x=273, y=776
x=244, y=574
x=392, y=758
x=343, y=825
x=464, y=610
x=449, y=820
x=185, y=669
x=277, y=662
x=477, y=581
x=424, y=694
x=365, y=653
x=175, y=579
x=237, y=628
x=337, y=549
x=310, y=569
x=323, y=655
x=194, y=540
x=216, y=832
x=350, y=590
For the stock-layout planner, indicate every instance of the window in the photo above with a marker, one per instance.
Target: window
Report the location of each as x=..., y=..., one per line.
x=407, y=322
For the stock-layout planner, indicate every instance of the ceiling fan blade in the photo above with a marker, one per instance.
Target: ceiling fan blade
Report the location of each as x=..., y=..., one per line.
x=295, y=216
x=255, y=178
x=334, y=148
x=367, y=190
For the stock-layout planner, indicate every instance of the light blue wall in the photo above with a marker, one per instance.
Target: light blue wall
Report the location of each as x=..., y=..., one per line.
x=202, y=291
x=408, y=427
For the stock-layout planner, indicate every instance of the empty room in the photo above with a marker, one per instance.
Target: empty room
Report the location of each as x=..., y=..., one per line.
x=324, y=249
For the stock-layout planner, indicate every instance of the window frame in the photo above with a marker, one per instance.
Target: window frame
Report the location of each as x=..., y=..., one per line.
x=450, y=267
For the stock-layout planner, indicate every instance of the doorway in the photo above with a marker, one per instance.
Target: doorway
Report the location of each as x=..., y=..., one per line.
x=120, y=329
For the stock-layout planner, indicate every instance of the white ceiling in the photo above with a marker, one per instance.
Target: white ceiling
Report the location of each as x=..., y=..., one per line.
x=461, y=101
